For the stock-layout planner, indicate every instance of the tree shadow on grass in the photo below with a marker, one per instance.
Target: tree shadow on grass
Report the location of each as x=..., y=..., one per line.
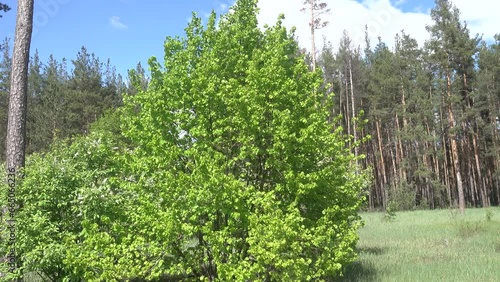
x=361, y=270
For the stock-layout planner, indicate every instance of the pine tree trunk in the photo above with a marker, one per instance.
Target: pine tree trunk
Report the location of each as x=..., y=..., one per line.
x=405, y=126
x=399, y=153
x=16, y=126
x=313, y=42
x=382, y=165
x=496, y=163
x=347, y=115
x=454, y=150
x=395, y=179
x=353, y=110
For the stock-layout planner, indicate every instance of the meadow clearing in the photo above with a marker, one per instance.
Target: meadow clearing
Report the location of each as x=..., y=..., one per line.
x=428, y=245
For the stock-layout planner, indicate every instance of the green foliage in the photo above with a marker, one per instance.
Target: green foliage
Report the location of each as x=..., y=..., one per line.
x=64, y=104
x=390, y=211
x=466, y=229
x=453, y=211
x=62, y=191
x=489, y=214
x=497, y=245
x=5, y=70
x=233, y=129
x=227, y=169
x=402, y=197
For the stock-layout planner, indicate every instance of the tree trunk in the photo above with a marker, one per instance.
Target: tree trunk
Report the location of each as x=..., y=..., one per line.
x=353, y=110
x=16, y=126
x=347, y=115
x=313, y=43
x=382, y=166
x=399, y=152
x=454, y=149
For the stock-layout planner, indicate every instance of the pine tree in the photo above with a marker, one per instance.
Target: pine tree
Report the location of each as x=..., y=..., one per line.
x=316, y=9
x=444, y=34
x=90, y=94
x=54, y=100
x=327, y=64
x=112, y=87
x=137, y=80
x=5, y=70
x=4, y=8
x=37, y=121
x=487, y=102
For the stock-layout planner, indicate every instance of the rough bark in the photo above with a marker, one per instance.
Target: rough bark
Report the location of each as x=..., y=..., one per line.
x=16, y=126
x=454, y=150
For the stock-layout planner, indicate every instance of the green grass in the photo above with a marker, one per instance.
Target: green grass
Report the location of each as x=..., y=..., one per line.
x=439, y=245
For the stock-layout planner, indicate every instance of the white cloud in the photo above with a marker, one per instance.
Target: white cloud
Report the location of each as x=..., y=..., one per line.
x=481, y=16
x=116, y=23
x=383, y=18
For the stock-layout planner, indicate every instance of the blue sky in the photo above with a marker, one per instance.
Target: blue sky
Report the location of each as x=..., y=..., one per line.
x=414, y=6
x=129, y=31
x=126, y=31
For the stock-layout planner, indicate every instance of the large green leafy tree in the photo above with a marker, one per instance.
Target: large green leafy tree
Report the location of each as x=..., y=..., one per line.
x=233, y=128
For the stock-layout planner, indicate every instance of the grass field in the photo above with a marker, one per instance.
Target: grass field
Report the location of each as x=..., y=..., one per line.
x=438, y=245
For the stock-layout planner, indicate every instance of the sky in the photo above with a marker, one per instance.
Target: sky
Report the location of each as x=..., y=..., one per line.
x=131, y=31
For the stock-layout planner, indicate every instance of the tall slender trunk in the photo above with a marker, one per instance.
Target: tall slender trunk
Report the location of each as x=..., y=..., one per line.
x=313, y=41
x=347, y=115
x=399, y=152
x=382, y=166
x=496, y=161
x=473, y=187
x=446, y=154
x=479, y=179
x=405, y=126
x=353, y=111
x=454, y=148
x=16, y=126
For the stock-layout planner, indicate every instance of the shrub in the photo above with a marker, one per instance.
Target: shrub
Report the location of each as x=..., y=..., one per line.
x=468, y=229
x=390, y=212
x=489, y=214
